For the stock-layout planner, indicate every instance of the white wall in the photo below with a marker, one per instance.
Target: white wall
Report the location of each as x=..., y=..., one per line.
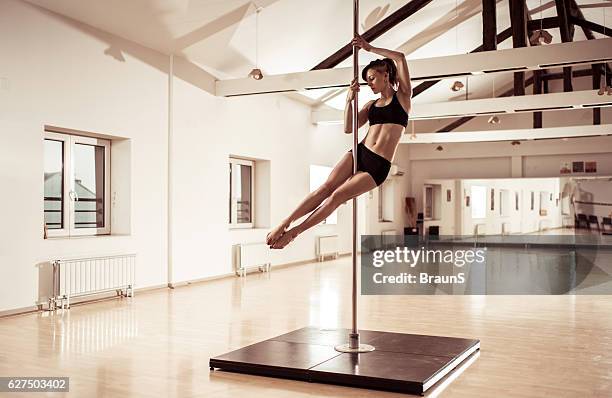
x=454, y=217
x=58, y=74
x=444, y=212
x=206, y=131
x=524, y=220
x=63, y=73
x=539, y=158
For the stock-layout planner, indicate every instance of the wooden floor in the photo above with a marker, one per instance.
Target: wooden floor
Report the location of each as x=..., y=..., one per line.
x=158, y=344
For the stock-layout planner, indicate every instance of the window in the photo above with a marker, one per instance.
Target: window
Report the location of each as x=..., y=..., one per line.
x=76, y=185
x=241, y=195
x=479, y=201
x=318, y=175
x=428, y=202
x=385, y=202
x=504, y=202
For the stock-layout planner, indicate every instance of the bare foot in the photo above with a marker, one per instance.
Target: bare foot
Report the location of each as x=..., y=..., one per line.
x=285, y=239
x=276, y=233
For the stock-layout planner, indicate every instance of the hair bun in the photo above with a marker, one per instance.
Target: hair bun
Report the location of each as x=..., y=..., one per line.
x=382, y=65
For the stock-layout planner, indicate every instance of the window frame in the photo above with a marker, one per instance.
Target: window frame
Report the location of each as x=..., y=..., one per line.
x=65, y=217
x=386, y=185
x=233, y=212
x=68, y=189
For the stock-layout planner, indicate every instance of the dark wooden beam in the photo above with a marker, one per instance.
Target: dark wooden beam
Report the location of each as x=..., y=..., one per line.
x=544, y=23
x=567, y=35
x=459, y=122
x=565, y=25
x=489, y=25
x=418, y=89
x=531, y=80
x=575, y=73
x=374, y=32
x=596, y=69
x=537, y=89
x=518, y=24
x=592, y=26
x=537, y=75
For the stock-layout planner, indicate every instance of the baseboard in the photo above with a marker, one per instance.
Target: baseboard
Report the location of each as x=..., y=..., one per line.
x=110, y=295
x=20, y=311
x=233, y=274
x=174, y=285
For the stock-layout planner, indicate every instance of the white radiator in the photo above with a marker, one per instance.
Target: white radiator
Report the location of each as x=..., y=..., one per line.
x=506, y=228
x=480, y=229
x=544, y=225
x=249, y=255
x=92, y=275
x=387, y=237
x=326, y=245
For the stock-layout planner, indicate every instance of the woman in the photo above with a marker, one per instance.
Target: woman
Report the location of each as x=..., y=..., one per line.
x=388, y=117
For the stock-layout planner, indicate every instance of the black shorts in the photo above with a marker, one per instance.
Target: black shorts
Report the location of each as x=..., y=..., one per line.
x=372, y=163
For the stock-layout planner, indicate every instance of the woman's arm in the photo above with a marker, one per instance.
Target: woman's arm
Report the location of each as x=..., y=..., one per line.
x=403, y=75
x=348, y=110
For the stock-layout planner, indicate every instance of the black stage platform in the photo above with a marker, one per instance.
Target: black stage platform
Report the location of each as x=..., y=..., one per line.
x=407, y=363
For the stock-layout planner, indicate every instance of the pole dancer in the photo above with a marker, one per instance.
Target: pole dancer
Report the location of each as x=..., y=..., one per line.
x=355, y=175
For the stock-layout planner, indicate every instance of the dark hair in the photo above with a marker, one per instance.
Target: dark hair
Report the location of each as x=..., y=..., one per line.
x=382, y=65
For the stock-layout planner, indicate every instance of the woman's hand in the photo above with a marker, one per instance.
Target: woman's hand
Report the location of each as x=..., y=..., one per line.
x=354, y=88
x=359, y=41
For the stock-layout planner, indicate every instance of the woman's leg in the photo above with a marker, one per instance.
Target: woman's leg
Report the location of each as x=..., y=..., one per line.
x=341, y=172
x=356, y=185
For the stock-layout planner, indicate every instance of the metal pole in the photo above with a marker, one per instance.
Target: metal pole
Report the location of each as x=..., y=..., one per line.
x=354, y=337
x=353, y=344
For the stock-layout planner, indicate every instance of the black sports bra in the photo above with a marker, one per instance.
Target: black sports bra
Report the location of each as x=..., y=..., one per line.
x=391, y=113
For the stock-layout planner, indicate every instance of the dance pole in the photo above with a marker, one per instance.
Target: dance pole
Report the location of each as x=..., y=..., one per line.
x=353, y=344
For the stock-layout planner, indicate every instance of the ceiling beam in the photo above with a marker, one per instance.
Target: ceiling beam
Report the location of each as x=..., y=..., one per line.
x=583, y=23
x=537, y=74
x=596, y=69
x=518, y=23
x=537, y=89
x=463, y=120
x=544, y=23
x=508, y=135
x=586, y=99
x=374, y=32
x=567, y=35
x=489, y=25
x=519, y=59
x=503, y=36
x=575, y=73
x=544, y=78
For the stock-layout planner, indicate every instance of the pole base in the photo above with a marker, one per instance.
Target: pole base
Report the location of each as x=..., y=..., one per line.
x=361, y=348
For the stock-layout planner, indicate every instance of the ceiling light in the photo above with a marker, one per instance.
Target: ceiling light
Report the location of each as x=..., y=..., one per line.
x=439, y=148
x=493, y=120
x=514, y=143
x=540, y=37
x=457, y=86
x=256, y=74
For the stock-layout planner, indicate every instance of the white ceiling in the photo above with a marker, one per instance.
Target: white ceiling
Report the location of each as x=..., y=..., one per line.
x=295, y=35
